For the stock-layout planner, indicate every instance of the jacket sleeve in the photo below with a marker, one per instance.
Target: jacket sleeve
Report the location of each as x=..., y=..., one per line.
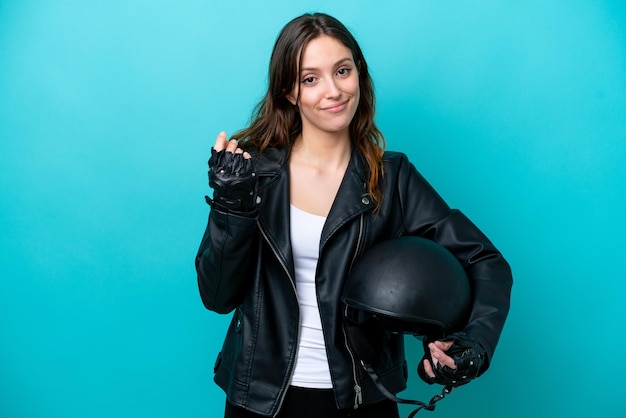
x=224, y=260
x=427, y=214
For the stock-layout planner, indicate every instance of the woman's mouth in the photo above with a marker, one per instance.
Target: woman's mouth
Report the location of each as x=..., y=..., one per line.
x=336, y=108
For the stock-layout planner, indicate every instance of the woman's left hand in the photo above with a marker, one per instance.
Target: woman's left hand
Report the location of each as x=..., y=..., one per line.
x=454, y=361
x=438, y=354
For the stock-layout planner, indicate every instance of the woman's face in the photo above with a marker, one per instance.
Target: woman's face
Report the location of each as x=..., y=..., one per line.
x=329, y=87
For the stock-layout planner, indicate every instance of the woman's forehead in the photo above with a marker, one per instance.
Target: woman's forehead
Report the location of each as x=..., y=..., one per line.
x=324, y=51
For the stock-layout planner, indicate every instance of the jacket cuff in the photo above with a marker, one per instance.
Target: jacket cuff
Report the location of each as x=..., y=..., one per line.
x=221, y=208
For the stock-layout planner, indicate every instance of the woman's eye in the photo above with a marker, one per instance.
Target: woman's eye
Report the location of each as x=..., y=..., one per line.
x=308, y=80
x=344, y=71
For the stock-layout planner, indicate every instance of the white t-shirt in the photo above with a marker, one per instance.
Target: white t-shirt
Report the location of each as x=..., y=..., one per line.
x=311, y=369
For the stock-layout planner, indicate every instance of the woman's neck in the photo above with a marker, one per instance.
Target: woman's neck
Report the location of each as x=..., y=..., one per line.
x=329, y=152
x=317, y=166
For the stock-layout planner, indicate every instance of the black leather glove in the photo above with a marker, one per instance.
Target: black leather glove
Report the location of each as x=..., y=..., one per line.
x=468, y=355
x=234, y=182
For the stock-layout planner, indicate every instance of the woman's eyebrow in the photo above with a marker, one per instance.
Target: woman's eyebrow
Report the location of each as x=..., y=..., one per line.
x=341, y=61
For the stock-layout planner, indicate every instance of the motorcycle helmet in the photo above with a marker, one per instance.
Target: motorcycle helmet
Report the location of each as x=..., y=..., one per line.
x=406, y=285
x=412, y=285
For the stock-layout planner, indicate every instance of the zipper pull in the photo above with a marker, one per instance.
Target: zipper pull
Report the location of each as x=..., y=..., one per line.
x=358, y=399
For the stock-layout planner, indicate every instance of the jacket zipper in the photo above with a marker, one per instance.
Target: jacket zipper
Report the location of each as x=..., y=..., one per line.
x=358, y=395
x=295, y=292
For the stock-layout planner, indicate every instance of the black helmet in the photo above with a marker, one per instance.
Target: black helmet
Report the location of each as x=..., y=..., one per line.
x=412, y=285
x=407, y=285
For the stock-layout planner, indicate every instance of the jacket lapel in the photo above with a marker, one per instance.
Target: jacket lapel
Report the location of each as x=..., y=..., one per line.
x=274, y=216
x=352, y=198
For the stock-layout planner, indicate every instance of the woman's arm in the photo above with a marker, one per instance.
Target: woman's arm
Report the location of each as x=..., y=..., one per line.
x=225, y=259
x=426, y=214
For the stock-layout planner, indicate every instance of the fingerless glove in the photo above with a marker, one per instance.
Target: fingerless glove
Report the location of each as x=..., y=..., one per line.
x=468, y=355
x=234, y=183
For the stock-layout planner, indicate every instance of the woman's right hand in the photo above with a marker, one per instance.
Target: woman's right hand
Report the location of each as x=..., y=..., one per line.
x=231, y=146
x=232, y=177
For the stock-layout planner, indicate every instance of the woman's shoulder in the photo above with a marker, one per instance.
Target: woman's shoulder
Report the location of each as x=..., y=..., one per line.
x=270, y=160
x=395, y=158
x=394, y=155
x=398, y=164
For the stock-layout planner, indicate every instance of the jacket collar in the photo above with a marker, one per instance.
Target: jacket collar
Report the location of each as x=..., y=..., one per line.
x=352, y=199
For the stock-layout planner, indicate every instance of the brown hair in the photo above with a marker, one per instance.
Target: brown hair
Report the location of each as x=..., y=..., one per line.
x=276, y=122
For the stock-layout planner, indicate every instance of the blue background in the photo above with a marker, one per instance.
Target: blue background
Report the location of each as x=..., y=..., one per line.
x=515, y=111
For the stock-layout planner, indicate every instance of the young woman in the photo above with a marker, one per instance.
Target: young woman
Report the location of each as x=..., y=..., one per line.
x=298, y=197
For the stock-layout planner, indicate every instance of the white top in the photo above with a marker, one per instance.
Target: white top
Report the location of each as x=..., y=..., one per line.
x=311, y=369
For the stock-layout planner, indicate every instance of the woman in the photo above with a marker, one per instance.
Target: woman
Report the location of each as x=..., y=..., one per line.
x=298, y=196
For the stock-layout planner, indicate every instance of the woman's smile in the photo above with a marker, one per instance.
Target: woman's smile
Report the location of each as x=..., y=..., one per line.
x=336, y=108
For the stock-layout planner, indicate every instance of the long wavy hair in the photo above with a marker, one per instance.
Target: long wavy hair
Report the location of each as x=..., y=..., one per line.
x=276, y=122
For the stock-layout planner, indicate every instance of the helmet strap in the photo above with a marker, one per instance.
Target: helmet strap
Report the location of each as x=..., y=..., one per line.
x=430, y=406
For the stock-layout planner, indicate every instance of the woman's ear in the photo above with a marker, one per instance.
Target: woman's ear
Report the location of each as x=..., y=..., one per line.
x=291, y=97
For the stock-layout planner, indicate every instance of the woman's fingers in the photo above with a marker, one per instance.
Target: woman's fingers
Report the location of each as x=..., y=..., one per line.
x=220, y=142
x=428, y=369
x=437, y=352
x=232, y=146
x=443, y=345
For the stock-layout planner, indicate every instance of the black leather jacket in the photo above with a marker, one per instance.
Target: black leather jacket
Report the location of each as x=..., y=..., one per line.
x=245, y=264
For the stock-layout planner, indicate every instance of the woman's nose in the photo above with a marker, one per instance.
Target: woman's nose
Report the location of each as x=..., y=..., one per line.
x=332, y=89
